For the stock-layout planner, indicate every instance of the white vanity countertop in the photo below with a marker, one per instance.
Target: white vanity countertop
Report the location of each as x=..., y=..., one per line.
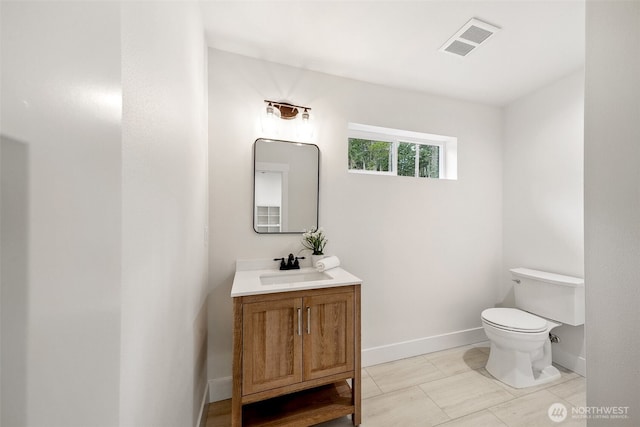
x=248, y=272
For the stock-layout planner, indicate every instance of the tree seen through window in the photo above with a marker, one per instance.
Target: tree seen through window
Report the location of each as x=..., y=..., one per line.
x=417, y=160
x=368, y=155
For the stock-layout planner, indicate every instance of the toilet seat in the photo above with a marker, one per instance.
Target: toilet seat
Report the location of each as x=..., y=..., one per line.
x=514, y=320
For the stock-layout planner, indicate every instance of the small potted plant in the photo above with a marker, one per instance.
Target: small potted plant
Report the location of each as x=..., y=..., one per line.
x=315, y=240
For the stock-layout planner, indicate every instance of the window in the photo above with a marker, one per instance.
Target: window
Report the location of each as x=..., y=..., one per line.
x=370, y=155
x=420, y=160
x=384, y=151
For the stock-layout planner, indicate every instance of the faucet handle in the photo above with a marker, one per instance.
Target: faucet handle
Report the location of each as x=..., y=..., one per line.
x=296, y=263
x=283, y=266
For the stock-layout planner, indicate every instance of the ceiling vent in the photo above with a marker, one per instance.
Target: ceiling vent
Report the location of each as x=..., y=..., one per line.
x=469, y=37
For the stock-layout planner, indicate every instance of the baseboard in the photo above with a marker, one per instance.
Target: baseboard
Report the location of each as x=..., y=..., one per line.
x=202, y=418
x=577, y=364
x=220, y=389
x=402, y=350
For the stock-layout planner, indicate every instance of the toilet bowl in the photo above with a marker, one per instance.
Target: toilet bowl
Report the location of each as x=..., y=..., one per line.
x=520, y=354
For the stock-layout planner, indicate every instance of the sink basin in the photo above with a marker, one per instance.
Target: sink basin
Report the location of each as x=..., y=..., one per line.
x=293, y=277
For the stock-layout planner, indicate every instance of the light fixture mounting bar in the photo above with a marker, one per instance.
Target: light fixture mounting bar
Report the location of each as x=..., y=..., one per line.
x=287, y=110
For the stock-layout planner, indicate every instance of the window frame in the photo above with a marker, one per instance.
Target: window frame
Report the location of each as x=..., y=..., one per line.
x=374, y=137
x=395, y=137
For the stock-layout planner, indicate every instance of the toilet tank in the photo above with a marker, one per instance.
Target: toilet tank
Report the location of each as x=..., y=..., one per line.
x=554, y=296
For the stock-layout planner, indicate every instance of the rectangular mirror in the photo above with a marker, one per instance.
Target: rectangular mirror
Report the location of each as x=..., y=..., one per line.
x=285, y=186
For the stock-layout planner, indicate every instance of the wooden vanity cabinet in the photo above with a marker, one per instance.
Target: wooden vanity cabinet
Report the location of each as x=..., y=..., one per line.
x=293, y=354
x=271, y=349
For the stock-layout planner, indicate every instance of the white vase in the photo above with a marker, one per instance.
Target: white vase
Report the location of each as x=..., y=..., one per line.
x=315, y=259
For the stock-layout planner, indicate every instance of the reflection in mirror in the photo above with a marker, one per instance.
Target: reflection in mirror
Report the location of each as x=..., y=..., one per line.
x=285, y=187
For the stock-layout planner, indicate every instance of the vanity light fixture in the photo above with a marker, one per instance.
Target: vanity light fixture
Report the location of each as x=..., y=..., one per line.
x=286, y=111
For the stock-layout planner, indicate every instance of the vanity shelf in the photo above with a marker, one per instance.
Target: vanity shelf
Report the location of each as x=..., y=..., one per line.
x=305, y=407
x=294, y=354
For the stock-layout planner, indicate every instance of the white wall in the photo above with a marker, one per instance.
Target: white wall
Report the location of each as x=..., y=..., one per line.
x=164, y=214
x=429, y=251
x=104, y=213
x=543, y=194
x=269, y=189
x=61, y=243
x=612, y=206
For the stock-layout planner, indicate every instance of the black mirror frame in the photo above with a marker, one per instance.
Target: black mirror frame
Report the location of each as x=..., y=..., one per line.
x=253, y=204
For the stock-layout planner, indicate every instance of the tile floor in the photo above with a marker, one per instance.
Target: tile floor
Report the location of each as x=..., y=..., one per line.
x=449, y=388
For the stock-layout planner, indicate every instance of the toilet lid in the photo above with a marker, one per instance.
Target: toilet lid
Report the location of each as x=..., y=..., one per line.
x=514, y=320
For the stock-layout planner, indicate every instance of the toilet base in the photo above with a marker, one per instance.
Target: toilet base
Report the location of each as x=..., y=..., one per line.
x=515, y=369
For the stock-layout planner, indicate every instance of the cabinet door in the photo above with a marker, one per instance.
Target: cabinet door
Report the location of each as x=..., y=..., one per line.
x=272, y=344
x=328, y=335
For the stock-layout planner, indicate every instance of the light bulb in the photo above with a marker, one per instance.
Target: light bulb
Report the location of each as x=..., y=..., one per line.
x=269, y=122
x=306, y=128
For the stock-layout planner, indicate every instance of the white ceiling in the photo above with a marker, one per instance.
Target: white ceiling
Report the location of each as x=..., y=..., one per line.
x=396, y=43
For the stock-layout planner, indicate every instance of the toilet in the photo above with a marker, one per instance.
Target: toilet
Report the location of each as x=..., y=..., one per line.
x=520, y=354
